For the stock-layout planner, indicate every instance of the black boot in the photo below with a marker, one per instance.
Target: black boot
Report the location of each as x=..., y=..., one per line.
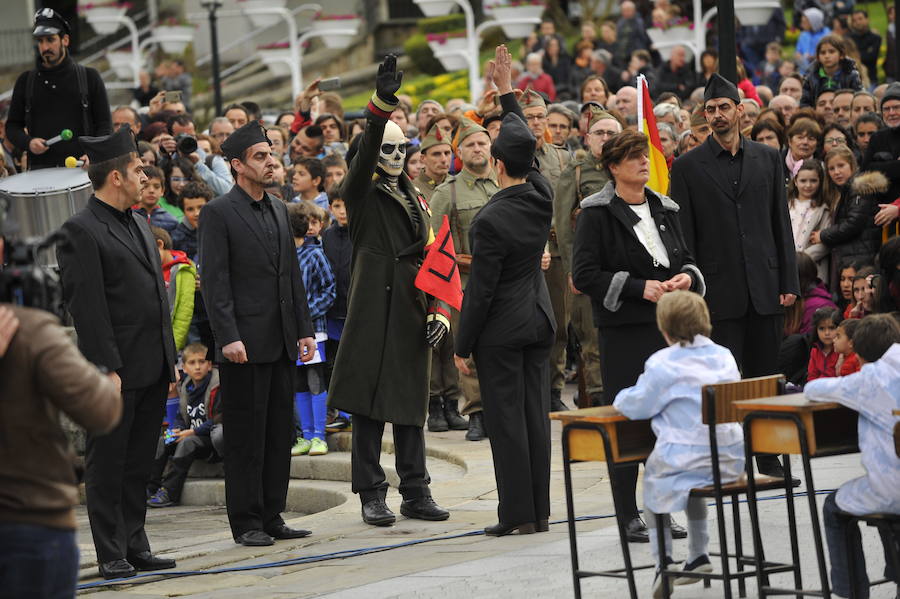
x=556, y=403
x=436, y=421
x=476, y=427
x=769, y=465
x=451, y=414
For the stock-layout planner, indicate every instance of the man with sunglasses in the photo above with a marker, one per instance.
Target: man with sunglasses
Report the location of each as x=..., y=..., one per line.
x=736, y=224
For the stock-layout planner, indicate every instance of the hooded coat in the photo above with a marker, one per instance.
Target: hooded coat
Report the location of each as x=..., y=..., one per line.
x=853, y=234
x=382, y=366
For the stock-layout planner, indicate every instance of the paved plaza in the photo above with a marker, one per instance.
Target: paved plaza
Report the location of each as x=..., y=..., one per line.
x=454, y=560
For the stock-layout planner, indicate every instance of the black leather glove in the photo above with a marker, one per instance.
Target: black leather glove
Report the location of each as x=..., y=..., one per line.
x=435, y=330
x=387, y=82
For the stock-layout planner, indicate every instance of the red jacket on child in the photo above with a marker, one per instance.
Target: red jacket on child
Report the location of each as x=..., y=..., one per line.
x=850, y=365
x=820, y=365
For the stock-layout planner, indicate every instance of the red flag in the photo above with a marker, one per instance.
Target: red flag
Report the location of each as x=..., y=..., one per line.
x=439, y=275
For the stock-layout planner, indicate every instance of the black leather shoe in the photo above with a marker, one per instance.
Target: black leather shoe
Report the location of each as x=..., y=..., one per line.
x=501, y=529
x=377, y=513
x=476, y=427
x=636, y=531
x=117, y=568
x=284, y=531
x=542, y=525
x=556, y=402
x=423, y=508
x=678, y=531
x=769, y=465
x=454, y=420
x=255, y=538
x=146, y=561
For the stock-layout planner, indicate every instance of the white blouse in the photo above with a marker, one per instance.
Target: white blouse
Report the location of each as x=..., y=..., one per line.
x=648, y=234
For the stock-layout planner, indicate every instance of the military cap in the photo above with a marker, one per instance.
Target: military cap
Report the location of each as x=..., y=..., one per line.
x=598, y=115
x=49, y=22
x=719, y=87
x=466, y=128
x=108, y=147
x=434, y=137
x=249, y=135
x=515, y=143
x=531, y=98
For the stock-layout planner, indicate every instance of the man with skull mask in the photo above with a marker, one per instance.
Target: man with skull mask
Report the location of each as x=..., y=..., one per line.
x=381, y=368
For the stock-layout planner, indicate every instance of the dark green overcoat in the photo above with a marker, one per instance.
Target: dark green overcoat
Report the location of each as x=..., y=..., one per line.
x=382, y=365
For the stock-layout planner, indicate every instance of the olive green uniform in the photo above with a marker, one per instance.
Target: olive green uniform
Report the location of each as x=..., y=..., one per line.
x=553, y=160
x=582, y=177
x=460, y=198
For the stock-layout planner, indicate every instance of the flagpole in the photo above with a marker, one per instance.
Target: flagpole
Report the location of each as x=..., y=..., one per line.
x=640, y=103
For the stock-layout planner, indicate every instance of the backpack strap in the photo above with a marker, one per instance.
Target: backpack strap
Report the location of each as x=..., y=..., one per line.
x=29, y=96
x=81, y=73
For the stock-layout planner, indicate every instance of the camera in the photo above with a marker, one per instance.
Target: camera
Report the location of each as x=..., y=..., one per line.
x=25, y=282
x=185, y=144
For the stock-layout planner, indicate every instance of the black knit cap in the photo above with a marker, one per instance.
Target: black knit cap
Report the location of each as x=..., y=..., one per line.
x=515, y=143
x=107, y=147
x=249, y=135
x=719, y=87
x=891, y=93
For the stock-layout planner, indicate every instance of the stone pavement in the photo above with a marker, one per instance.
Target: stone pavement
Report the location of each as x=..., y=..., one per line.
x=457, y=564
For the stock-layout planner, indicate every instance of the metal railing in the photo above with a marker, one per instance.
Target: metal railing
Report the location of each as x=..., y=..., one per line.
x=16, y=47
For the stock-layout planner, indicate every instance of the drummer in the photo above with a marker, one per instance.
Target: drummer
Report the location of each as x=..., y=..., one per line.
x=58, y=95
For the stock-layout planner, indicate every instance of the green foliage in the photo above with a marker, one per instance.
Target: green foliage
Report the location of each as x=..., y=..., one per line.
x=416, y=47
x=442, y=24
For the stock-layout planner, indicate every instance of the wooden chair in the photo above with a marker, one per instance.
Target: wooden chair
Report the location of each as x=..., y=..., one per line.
x=887, y=524
x=718, y=408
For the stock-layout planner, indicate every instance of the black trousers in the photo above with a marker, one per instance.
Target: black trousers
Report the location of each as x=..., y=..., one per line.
x=515, y=394
x=258, y=413
x=754, y=340
x=117, y=468
x=409, y=451
x=623, y=352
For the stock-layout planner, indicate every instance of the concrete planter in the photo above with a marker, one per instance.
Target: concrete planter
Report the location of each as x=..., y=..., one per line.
x=106, y=13
x=669, y=36
x=754, y=13
x=260, y=21
x=276, y=60
x=338, y=41
x=517, y=30
x=451, y=62
x=121, y=64
x=173, y=38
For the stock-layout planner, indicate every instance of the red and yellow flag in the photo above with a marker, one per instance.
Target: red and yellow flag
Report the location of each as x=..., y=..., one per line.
x=439, y=275
x=659, y=169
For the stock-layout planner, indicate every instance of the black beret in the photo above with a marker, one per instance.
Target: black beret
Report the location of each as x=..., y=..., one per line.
x=249, y=135
x=719, y=87
x=107, y=147
x=515, y=143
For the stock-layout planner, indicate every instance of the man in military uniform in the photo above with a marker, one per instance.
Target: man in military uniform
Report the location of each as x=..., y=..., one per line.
x=582, y=177
x=552, y=160
x=460, y=198
x=444, y=393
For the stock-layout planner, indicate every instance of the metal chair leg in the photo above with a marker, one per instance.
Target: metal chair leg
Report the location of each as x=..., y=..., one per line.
x=813, y=511
x=570, y=510
x=738, y=548
x=662, y=561
x=762, y=581
x=792, y=523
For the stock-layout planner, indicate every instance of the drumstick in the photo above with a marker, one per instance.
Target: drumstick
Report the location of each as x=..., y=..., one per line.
x=64, y=135
x=72, y=162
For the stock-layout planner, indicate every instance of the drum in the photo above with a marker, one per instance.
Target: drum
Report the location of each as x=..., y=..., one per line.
x=40, y=201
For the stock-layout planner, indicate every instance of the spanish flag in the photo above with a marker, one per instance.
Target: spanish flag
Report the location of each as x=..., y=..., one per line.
x=659, y=170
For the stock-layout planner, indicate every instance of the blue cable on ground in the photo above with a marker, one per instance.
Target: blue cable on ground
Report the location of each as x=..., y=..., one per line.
x=347, y=553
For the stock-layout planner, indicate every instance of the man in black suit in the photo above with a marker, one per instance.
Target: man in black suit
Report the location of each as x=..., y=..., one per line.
x=114, y=290
x=259, y=315
x=736, y=224
x=507, y=320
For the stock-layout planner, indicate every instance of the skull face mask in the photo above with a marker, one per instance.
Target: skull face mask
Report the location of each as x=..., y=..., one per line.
x=393, y=149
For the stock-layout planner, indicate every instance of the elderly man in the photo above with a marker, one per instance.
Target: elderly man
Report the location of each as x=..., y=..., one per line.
x=669, y=141
x=559, y=122
x=536, y=78
x=751, y=112
x=220, y=129
x=862, y=103
x=626, y=101
x=428, y=109
x=786, y=105
x=792, y=86
x=842, y=106
x=676, y=75
x=671, y=115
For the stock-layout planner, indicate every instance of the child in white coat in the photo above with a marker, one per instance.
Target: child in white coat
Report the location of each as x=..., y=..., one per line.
x=669, y=392
x=873, y=392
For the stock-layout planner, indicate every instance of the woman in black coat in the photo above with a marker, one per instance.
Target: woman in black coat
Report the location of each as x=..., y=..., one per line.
x=629, y=251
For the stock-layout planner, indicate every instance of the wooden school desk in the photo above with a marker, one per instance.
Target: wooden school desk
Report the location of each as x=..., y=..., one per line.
x=794, y=425
x=602, y=434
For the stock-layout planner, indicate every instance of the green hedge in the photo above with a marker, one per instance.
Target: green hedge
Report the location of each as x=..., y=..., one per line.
x=442, y=24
